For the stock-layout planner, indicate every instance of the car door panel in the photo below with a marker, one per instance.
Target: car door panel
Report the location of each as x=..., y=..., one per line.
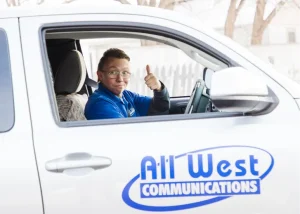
x=148, y=158
x=20, y=187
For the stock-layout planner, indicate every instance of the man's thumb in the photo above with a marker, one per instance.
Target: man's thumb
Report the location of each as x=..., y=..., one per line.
x=148, y=69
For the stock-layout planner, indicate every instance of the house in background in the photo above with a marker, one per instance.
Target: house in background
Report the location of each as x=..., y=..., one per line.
x=280, y=45
x=281, y=40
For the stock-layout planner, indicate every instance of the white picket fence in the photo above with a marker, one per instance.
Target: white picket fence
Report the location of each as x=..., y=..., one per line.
x=173, y=67
x=178, y=79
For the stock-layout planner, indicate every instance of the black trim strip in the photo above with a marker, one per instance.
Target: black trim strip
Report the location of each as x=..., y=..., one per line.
x=140, y=28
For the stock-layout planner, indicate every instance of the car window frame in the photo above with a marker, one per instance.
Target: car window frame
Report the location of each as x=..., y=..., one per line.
x=7, y=109
x=132, y=27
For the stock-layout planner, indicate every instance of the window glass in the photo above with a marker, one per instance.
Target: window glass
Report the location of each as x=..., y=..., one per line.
x=6, y=91
x=177, y=63
x=170, y=64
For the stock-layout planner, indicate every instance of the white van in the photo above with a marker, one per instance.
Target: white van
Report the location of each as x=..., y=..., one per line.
x=231, y=145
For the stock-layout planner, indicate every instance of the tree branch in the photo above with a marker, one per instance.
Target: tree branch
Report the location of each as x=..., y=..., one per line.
x=123, y=1
x=272, y=15
x=152, y=3
x=296, y=3
x=40, y=2
x=169, y=4
x=11, y=3
x=241, y=4
x=164, y=3
x=67, y=1
x=230, y=19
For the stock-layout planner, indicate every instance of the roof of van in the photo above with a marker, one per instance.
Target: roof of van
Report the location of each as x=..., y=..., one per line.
x=65, y=9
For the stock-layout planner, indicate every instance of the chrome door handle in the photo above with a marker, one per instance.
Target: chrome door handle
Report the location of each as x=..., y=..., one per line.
x=78, y=160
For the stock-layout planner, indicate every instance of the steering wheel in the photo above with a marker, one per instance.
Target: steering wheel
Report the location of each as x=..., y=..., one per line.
x=197, y=100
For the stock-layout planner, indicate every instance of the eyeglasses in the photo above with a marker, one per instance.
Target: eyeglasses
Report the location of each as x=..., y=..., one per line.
x=115, y=74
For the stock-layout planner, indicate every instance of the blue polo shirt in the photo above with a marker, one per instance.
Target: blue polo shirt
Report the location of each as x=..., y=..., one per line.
x=103, y=104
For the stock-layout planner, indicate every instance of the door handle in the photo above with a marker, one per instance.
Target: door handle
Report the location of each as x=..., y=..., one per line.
x=78, y=160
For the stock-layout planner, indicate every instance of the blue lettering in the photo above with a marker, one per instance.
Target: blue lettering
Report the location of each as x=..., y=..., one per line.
x=200, y=171
x=163, y=167
x=196, y=167
x=239, y=166
x=151, y=167
x=223, y=165
x=172, y=173
x=253, y=161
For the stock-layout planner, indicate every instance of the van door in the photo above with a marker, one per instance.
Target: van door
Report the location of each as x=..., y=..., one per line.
x=19, y=183
x=201, y=163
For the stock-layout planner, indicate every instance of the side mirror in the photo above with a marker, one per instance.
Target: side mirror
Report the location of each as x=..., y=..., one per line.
x=238, y=90
x=207, y=74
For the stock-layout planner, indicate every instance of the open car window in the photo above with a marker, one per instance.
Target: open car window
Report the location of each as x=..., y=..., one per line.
x=177, y=64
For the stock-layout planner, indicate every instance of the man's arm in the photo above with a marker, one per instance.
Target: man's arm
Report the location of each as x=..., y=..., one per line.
x=160, y=103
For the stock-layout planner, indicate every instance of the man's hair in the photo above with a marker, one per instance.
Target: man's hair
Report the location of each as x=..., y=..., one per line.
x=112, y=53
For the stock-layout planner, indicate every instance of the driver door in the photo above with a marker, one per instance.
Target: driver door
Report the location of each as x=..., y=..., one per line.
x=207, y=162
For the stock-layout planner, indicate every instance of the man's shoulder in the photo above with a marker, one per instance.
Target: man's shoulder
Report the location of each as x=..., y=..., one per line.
x=97, y=97
x=130, y=96
x=129, y=93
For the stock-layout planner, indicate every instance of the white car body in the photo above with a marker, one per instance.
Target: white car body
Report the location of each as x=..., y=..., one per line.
x=150, y=161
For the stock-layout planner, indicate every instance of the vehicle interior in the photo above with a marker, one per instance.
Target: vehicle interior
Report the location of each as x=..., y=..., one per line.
x=72, y=83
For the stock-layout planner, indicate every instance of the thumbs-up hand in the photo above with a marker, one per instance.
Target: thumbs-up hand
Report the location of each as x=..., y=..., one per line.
x=151, y=81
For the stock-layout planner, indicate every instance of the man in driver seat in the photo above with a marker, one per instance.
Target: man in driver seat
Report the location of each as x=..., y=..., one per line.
x=112, y=100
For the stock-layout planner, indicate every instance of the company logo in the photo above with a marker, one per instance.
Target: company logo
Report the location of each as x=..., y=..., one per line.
x=202, y=177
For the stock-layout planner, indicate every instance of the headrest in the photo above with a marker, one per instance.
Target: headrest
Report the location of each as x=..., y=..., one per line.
x=71, y=74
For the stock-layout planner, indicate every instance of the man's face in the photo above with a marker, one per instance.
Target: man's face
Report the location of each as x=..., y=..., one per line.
x=111, y=76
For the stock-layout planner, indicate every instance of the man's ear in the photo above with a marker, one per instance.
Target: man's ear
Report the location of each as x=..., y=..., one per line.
x=100, y=76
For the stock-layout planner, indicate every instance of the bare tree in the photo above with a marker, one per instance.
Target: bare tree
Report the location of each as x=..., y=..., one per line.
x=297, y=3
x=169, y=4
x=124, y=1
x=11, y=3
x=260, y=24
x=165, y=4
x=38, y=2
x=232, y=14
x=15, y=3
x=68, y=1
